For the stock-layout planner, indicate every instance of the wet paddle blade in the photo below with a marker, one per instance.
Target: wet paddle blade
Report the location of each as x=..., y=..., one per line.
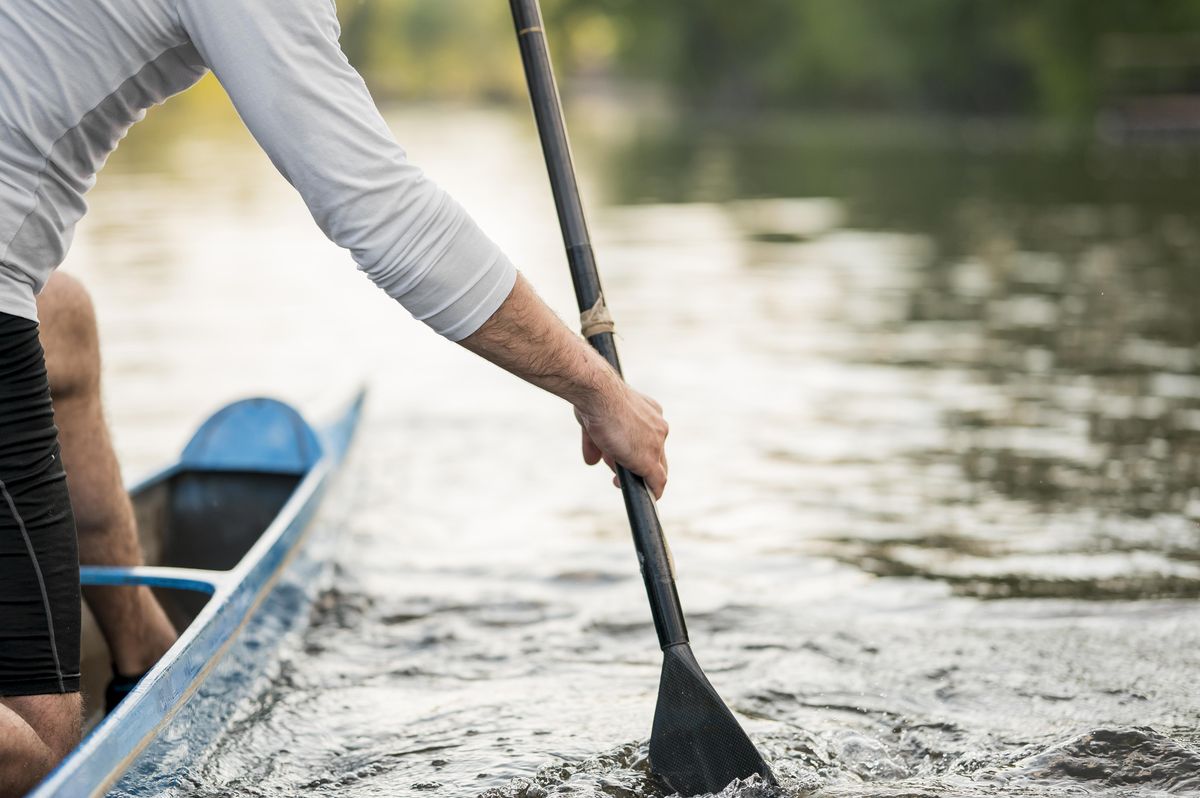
x=696, y=745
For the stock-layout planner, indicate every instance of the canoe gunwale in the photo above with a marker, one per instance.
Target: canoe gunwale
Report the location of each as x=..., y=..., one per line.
x=105, y=754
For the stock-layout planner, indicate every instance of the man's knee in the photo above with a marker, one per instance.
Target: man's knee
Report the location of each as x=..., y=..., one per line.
x=68, y=332
x=56, y=718
x=36, y=732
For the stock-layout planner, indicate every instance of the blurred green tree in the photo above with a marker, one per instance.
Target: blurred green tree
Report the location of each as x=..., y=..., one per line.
x=1017, y=57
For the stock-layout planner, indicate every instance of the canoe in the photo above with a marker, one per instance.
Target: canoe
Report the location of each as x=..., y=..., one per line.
x=234, y=556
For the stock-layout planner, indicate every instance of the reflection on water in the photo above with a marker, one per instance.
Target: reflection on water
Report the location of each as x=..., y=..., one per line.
x=935, y=475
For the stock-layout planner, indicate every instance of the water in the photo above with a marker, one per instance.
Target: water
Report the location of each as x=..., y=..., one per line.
x=935, y=401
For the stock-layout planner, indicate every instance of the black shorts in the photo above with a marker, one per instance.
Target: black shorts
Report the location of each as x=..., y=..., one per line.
x=39, y=558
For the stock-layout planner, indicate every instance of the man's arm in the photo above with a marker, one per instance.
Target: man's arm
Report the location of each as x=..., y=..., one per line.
x=281, y=64
x=619, y=424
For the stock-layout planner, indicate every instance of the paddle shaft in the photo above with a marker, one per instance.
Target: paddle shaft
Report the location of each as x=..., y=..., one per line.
x=639, y=503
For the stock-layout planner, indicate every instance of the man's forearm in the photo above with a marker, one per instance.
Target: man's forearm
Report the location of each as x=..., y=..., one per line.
x=526, y=338
x=620, y=425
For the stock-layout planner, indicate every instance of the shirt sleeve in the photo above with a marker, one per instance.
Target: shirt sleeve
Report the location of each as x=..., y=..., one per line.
x=282, y=66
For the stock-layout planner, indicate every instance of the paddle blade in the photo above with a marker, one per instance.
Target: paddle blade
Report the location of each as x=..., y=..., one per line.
x=696, y=745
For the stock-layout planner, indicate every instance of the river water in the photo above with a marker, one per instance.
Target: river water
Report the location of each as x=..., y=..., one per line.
x=935, y=485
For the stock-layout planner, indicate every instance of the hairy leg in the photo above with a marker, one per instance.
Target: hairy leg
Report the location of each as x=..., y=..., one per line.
x=134, y=624
x=38, y=731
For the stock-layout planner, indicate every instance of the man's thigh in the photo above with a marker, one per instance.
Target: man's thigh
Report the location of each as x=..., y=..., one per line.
x=68, y=333
x=39, y=565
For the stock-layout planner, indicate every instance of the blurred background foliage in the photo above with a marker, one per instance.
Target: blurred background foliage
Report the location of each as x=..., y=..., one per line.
x=1061, y=60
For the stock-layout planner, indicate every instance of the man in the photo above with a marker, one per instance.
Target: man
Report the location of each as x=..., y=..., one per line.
x=74, y=75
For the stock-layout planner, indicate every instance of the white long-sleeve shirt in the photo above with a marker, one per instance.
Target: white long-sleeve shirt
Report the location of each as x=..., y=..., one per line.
x=76, y=74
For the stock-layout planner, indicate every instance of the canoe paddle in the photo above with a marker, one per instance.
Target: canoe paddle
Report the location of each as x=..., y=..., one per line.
x=696, y=745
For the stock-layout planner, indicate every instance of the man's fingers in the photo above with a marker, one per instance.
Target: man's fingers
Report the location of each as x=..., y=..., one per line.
x=656, y=480
x=591, y=452
x=632, y=434
x=654, y=474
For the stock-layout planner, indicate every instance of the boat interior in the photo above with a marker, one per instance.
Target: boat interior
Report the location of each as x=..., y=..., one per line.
x=193, y=518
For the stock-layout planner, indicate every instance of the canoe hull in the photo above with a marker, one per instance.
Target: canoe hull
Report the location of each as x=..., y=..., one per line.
x=238, y=615
x=241, y=670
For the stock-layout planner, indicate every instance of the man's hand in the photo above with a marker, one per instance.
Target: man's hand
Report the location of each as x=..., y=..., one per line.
x=630, y=430
x=619, y=424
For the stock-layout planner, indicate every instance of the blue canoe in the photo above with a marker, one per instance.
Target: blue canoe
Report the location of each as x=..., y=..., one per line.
x=233, y=557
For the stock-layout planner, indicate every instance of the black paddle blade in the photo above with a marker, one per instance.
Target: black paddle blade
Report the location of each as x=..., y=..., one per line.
x=696, y=745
